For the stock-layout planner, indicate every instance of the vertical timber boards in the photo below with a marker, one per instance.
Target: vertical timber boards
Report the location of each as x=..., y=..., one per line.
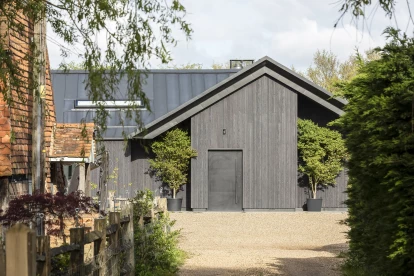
x=260, y=119
x=333, y=197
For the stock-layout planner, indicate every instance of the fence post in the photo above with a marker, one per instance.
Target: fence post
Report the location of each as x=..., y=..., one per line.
x=114, y=218
x=20, y=251
x=44, y=267
x=77, y=236
x=130, y=237
x=99, y=247
x=2, y=261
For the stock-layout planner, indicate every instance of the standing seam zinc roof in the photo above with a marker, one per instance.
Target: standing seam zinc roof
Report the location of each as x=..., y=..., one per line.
x=165, y=89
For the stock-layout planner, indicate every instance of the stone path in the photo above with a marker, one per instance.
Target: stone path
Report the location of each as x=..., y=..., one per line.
x=267, y=243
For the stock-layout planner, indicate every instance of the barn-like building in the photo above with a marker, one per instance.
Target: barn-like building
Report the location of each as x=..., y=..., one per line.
x=243, y=124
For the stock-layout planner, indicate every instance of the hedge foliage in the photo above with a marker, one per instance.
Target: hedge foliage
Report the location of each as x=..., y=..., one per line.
x=380, y=139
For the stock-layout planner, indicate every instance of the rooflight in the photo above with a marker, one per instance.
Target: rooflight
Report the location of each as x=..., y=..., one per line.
x=108, y=104
x=240, y=63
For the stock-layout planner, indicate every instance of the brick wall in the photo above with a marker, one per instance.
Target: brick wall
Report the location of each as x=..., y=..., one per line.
x=16, y=120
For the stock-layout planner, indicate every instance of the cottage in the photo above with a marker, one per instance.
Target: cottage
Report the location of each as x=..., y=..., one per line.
x=16, y=123
x=243, y=124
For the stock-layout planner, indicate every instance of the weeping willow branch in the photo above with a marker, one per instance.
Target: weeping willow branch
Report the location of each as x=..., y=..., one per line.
x=135, y=30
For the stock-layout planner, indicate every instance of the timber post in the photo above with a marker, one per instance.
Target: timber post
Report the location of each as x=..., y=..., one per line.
x=99, y=247
x=20, y=251
x=114, y=218
x=44, y=265
x=77, y=237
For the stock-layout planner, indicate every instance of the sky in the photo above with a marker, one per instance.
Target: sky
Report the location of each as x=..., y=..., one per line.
x=289, y=31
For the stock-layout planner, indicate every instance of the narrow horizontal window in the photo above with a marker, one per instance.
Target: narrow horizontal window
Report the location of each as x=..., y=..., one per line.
x=107, y=104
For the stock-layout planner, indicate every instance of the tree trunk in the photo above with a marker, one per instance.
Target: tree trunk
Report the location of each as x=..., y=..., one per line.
x=313, y=187
x=173, y=192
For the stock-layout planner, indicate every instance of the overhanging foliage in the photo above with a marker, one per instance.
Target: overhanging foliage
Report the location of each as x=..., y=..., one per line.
x=135, y=31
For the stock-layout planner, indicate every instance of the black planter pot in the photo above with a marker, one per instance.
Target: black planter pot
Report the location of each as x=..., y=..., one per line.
x=174, y=204
x=314, y=204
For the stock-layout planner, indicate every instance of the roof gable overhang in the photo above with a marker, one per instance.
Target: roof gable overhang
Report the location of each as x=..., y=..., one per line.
x=263, y=67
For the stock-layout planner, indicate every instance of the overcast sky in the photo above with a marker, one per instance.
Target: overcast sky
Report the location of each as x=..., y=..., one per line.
x=289, y=31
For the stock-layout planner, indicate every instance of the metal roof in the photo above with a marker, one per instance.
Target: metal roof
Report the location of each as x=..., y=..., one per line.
x=165, y=89
x=264, y=66
x=175, y=95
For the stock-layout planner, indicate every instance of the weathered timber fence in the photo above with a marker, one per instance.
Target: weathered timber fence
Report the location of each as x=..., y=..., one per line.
x=113, y=250
x=113, y=247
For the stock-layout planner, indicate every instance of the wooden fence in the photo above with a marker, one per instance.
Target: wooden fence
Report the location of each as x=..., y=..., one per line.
x=113, y=250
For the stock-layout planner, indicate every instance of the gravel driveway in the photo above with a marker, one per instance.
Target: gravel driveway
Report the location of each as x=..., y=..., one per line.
x=271, y=243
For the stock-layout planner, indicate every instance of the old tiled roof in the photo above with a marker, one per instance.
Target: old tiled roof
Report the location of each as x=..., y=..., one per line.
x=72, y=140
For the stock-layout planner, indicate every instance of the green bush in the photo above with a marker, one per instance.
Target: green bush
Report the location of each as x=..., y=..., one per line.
x=379, y=122
x=172, y=158
x=321, y=154
x=156, y=245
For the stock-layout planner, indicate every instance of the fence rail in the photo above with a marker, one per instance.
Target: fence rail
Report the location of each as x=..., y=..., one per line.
x=28, y=254
x=112, y=242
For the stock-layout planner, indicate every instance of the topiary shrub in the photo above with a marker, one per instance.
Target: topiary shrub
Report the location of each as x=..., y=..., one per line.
x=172, y=158
x=321, y=154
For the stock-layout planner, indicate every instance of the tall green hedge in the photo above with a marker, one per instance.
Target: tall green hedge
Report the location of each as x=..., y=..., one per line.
x=380, y=139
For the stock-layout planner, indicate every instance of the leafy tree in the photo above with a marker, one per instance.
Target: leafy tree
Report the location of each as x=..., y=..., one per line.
x=223, y=65
x=172, y=158
x=321, y=154
x=380, y=139
x=56, y=209
x=135, y=31
x=328, y=71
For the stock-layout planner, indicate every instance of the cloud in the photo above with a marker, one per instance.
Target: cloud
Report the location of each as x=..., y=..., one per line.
x=290, y=31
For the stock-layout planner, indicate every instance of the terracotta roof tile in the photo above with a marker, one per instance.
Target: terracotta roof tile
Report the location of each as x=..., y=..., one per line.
x=69, y=141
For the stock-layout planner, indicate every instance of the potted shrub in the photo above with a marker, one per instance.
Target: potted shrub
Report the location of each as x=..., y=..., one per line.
x=321, y=157
x=171, y=163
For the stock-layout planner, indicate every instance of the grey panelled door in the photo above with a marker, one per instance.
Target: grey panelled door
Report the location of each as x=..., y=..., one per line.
x=225, y=180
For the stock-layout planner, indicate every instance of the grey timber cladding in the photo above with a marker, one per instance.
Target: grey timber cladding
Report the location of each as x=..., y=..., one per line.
x=333, y=197
x=165, y=89
x=129, y=168
x=260, y=119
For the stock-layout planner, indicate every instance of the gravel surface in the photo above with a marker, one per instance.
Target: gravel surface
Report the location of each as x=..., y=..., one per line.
x=271, y=243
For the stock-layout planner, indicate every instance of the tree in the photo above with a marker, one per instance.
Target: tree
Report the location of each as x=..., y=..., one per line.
x=379, y=123
x=55, y=208
x=172, y=158
x=321, y=154
x=328, y=71
x=135, y=31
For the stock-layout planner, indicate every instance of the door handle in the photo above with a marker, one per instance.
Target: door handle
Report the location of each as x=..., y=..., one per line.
x=235, y=177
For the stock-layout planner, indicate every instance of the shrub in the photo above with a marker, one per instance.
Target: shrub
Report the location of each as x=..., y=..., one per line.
x=172, y=158
x=56, y=209
x=321, y=154
x=380, y=139
x=156, y=245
